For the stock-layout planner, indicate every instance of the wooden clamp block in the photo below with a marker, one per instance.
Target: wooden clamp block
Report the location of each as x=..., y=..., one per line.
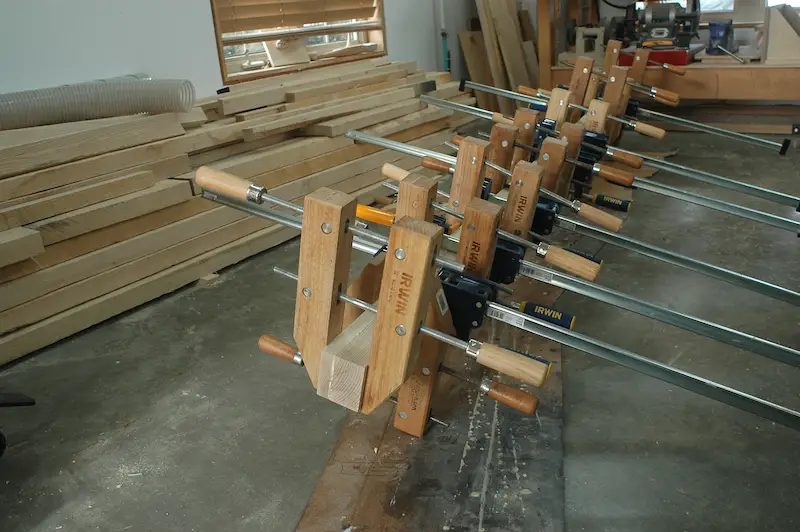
x=573, y=135
x=579, y=83
x=551, y=157
x=523, y=195
x=558, y=106
x=478, y=238
x=596, y=116
x=525, y=121
x=325, y=251
x=614, y=95
x=366, y=287
x=501, y=151
x=406, y=289
x=639, y=67
x=414, y=396
x=415, y=197
x=611, y=59
x=468, y=176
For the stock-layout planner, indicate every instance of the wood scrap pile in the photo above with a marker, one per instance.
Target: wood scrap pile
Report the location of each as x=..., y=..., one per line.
x=99, y=217
x=503, y=53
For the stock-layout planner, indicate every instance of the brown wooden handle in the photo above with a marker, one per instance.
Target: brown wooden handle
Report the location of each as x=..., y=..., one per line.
x=615, y=175
x=457, y=139
x=513, y=397
x=600, y=217
x=571, y=263
x=222, y=183
x=675, y=69
x=664, y=101
x=384, y=200
x=529, y=91
x=648, y=130
x=435, y=164
x=628, y=159
x=272, y=346
x=395, y=173
x=665, y=94
x=500, y=118
x=529, y=370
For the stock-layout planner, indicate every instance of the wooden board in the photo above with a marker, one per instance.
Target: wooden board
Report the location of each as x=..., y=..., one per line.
x=19, y=244
x=370, y=117
x=781, y=44
x=272, y=127
x=532, y=62
x=70, y=147
x=338, y=89
x=474, y=51
x=493, y=55
x=105, y=213
x=545, y=47
x=510, y=43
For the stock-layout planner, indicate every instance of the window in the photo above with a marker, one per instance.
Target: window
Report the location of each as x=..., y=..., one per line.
x=260, y=38
x=716, y=6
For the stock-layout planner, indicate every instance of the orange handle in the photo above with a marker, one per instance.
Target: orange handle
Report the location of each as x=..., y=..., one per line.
x=600, y=217
x=395, y=173
x=272, y=346
x=435, y=164
x=457, y=139
x=648, y=130
x=527, y=91
x=374, y=215
x=222, y=183
x=675, y=69
x=513, y=397
x=571, y=263
x=500, y=118
x=615, y=175
x=634, y=161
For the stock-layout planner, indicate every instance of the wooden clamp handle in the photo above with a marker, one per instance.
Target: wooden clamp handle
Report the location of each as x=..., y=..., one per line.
x=395, y=173
x=529, y=370
x=675, y=69
x=435, y=164
x=599, y=217
x=648, y=130
x=222, y=183
x=628, y=159
x=272, y=346
x=671, y=103
x=377, y=216
x=571, y=263
x=530, y=91
x=500, y=118
x=513, y=397
x=457, y=139
x=615, y=175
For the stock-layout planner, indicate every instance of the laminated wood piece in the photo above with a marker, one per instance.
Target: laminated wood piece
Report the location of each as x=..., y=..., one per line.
x=344, y=363
x=19, y=244
x=474, y=52
x=370, y=117
x=70, y=147
x=109, y=212
x=406, y=290
x=272, y=127
x=366, y=287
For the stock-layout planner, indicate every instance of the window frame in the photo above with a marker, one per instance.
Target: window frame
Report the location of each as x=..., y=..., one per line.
x=372, y=31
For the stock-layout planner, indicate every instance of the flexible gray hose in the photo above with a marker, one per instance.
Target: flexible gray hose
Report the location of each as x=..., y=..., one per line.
x=130, y=95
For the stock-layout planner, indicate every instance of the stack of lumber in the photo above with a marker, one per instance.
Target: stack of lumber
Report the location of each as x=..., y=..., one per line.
x=502, y=53
x=98, y=217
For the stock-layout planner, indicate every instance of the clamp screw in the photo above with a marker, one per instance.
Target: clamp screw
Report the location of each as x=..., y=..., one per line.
x=474, y=323
x=327, y=228
x=546, y=156
x=403, y=415
x=527, y=125
x=400, y=330
x=478, y=304
x=455, y=203
x=585, y=70
x=307, y=292
x=519, y=182
x=426, y=372
x=504, y=144
x=474, y=160
x=612, y=79
x=400, y=253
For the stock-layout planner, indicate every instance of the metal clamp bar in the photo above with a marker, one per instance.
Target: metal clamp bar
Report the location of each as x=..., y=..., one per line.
x=714, y=179
x=717, y=205
x=677, y=259
x=720, y=333
x=652, y=368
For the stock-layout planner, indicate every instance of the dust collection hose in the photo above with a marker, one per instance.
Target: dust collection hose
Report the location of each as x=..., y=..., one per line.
x=129, y=95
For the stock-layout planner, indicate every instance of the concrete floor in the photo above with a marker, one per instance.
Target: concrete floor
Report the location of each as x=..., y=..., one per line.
x=158, y=420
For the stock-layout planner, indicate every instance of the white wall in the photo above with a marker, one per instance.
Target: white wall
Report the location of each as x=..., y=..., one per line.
x=53, y=42
x=411, y=33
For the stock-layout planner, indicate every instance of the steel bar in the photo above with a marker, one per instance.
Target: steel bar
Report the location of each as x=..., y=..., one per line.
x=360, y=245
x=628, y=359
x=677, y=259
x=699, y=326
x=714, y=179
x=718, y=205
x=739, y=59
x=652, y=368
x=782, y=146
